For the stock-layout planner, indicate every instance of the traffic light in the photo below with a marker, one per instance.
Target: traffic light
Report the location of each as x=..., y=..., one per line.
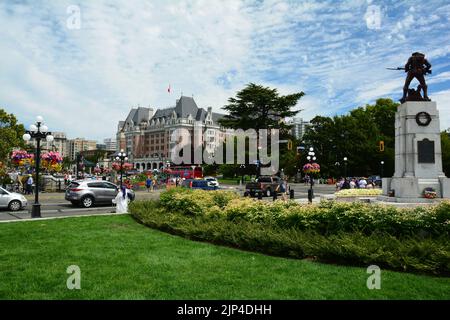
x=381, y=146
x=289, y=144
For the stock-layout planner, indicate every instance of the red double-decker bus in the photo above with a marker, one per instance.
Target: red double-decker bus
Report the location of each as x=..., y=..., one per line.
x=185, y=172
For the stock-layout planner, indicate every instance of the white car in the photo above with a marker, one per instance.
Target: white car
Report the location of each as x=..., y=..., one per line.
x=212, y=182
x=11, y=200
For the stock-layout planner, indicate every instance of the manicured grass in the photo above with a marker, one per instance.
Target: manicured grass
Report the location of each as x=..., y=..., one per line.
x=229, y=181
x=121, y=259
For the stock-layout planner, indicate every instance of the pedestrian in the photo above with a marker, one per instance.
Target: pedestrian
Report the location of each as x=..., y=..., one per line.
x=148, y=184
x=283, y=189
x=121, y=200
x=362, y=183
x=29, y=185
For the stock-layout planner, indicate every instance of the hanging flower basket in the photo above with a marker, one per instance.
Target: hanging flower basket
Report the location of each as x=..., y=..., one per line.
x=126, y=166
x=311, y=168
x=97, y=170
x=52, y=161
x=21, y=158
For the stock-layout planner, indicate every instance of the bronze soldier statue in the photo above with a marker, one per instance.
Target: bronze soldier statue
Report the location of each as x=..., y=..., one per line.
x=416, y=67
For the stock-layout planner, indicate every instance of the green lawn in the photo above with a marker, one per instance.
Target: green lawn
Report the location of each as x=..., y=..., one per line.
x=229, y=181
x=121, y=259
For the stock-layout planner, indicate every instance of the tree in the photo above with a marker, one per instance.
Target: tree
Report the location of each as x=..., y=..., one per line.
x=11, y=133
x=445, y=146
x=258, y=107
x=356, y=136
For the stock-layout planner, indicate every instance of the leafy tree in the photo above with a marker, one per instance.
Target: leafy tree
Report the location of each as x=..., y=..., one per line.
x=260, y=107
x=11, y=133
x=356, y=136
x=445, y=146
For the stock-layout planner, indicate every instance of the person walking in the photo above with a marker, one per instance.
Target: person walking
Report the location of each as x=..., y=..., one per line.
x=121, y=200
x=148, y=184
x=29, y=185
x=283, y=189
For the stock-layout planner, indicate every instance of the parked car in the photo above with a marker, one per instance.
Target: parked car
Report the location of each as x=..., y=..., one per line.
x=87, y=193
x=265, y=184
x=375, y=179
x=11, y=200
x=212, y=181
x=198, y=184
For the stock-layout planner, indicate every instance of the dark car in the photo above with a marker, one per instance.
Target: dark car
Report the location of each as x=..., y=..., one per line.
x=264, y=184
x=198, y=184
x=376, y=180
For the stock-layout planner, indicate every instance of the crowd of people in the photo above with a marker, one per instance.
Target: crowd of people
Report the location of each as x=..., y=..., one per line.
x=355, y=183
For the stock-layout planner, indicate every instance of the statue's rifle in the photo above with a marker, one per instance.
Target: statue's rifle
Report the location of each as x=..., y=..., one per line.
x=402, y=68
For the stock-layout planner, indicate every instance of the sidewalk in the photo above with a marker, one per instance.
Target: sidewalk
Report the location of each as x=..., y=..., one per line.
x=61, y=217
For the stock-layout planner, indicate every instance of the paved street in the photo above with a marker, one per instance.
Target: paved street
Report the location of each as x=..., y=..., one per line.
x=54, y=205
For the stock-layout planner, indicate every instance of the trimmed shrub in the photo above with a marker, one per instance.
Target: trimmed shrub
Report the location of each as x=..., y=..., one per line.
x=348, y=233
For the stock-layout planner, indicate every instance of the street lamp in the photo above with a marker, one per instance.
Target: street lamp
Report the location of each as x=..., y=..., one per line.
x=382, y=167
x=311, y=157
x=122, y=157
x=37, y=131
x=242, y=169
x=345, y=163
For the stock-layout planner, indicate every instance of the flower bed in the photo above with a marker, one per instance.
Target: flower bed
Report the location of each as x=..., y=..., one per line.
x=359, y=193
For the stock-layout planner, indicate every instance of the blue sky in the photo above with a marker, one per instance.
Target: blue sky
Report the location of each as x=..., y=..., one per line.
x=83, y=75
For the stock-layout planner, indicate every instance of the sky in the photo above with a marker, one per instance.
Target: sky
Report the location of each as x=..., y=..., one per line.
x=82, y=65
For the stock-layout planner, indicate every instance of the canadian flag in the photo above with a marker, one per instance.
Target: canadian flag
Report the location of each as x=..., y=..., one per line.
x=168, y=89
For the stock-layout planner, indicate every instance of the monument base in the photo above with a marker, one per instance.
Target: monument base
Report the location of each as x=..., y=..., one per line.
x=411, y=189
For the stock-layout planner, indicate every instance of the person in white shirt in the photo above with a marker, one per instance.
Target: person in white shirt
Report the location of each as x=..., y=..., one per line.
x=121, y=200
x=362, y=183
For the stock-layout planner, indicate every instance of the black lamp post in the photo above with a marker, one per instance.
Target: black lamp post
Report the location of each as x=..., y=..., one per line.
x=242, y=168
x=311, y=157
x=122, y=157
x=382, y=168
x=345, y=165
x=37, y=131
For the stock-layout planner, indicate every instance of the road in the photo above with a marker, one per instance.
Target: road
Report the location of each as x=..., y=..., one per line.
x=54, y=205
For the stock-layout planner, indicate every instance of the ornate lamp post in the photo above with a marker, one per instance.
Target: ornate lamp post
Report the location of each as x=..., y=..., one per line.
x=242, y=169
x=311, y=157
x=37, y=131
x=122, y=157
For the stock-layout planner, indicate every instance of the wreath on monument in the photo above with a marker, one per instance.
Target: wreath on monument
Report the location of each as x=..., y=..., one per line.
x=429, y=193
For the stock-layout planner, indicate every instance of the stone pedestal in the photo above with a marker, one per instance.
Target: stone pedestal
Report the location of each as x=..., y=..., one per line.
x=418, y=159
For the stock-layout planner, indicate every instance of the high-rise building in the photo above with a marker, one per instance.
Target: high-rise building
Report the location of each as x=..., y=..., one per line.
x=146, y=135
x=75, y=146
x=298, y=127
x=110, y=144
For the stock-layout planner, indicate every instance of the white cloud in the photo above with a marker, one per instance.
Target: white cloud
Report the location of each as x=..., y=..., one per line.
x=126, y=53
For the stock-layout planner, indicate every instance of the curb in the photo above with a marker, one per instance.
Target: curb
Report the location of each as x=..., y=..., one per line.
x=64, y=217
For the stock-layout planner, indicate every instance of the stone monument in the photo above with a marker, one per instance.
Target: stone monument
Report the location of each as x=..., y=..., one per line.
x=418, y=158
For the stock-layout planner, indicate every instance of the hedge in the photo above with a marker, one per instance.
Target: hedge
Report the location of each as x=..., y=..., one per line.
x=347, y=233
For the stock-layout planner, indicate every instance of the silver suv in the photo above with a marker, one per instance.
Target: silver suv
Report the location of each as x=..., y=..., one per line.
x=87, y=193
